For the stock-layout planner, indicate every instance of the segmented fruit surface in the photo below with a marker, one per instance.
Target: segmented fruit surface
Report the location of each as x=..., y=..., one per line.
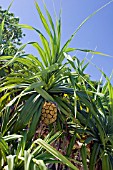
x=49, y=113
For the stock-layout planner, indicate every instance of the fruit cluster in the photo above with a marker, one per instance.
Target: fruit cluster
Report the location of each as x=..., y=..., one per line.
x=49, y=113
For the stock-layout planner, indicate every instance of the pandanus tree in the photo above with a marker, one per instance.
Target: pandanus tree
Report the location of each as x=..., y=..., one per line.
x=45, y=90
x=34, y=84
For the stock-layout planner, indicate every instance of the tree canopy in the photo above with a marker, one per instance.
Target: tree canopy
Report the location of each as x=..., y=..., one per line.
x=11, y=33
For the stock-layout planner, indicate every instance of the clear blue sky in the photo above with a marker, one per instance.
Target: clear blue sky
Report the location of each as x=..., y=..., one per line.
x=96, y=33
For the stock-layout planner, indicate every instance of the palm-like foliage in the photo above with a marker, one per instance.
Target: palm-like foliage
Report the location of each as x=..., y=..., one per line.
x=82, y=109
x=32, y=158
x=32, y=81
x=97, y=124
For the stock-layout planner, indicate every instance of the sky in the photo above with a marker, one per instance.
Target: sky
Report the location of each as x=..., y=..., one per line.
x=96, y=33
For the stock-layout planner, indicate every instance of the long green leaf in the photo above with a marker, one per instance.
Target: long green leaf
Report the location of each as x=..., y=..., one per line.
x=4, y=146
x=95, y=113
x=41, y=52
x=110, y=88
x=46, y=48
x=93, y=157
x=71, y=144
x=55, y=40
x=21, y=146
x=12, y=137
x=5, y=120
x=50, y=20
x=49, y=139
x=36, y=61
x=84, y=156
x=28, y=111
x=27, y=160
x=40, y=164
x=44, y=42
x=90, y=16
x=58, y=34
x=10, y=5
x=93, y=52
x=34, y=122
x=1, y=30
x=44, y=94
x=105, y=161
x=48, y=30
x=55, y=153
x=44, y=22
x=10, y=160
x=26, y=26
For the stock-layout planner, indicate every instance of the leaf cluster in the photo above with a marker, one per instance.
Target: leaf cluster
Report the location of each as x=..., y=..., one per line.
x=11, y=33
x=84, y=122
